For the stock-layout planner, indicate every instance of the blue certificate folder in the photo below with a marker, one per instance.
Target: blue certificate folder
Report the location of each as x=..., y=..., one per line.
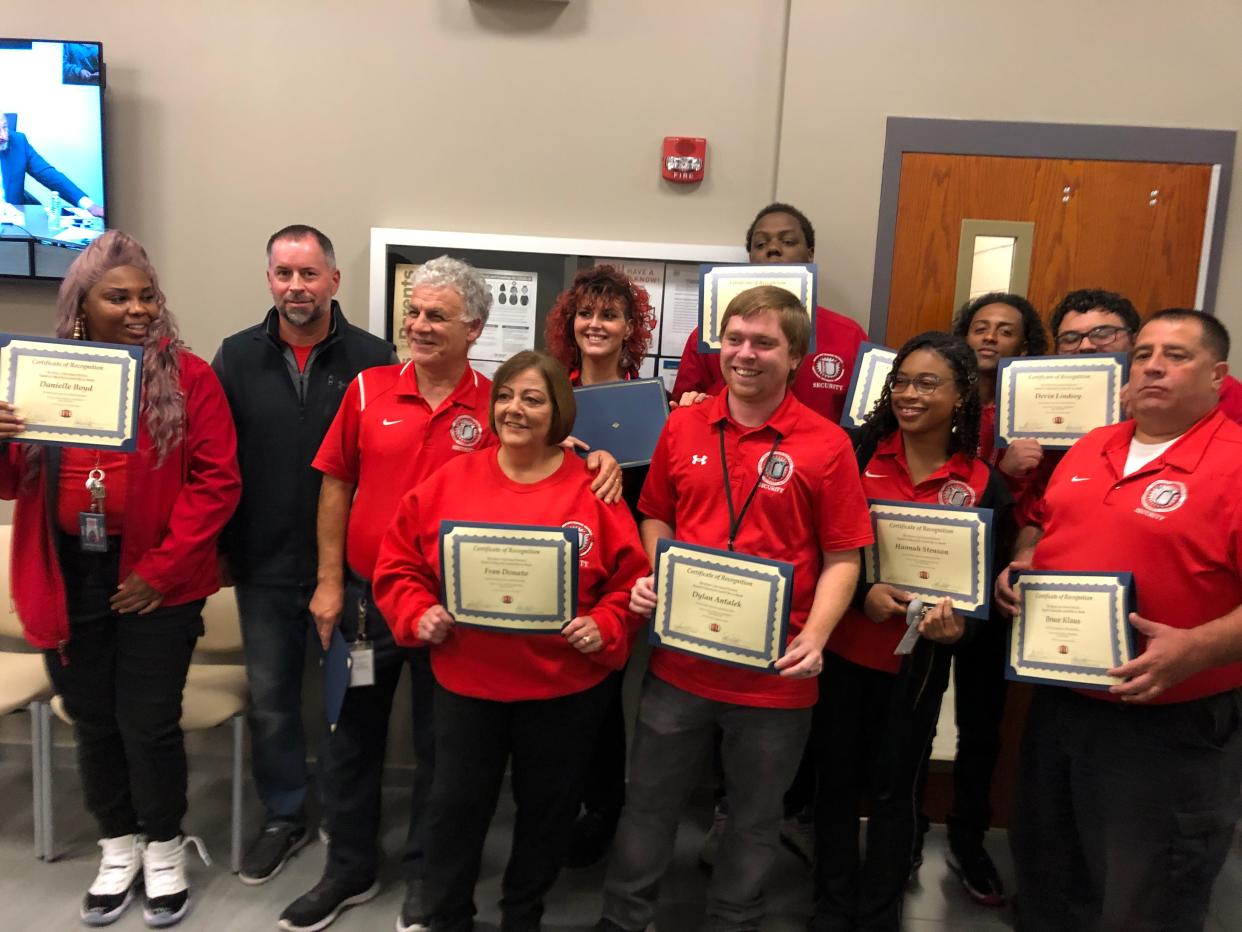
x=452, y=596
x=719, y=283
x=1050, y=648
x=17, y=351
x=336, y=672
x=771, y=631
x=624, y=418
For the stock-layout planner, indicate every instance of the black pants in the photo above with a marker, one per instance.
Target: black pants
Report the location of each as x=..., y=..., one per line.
x=352, y=768
x=877, y=727
x=603, y=784
x=1124, y=814
x=542, y=740
x=121, y=678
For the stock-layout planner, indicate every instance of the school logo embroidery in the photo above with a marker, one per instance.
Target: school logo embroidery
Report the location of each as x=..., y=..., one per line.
x=586, y=539
x=828, y=366
x=776, y=469
x=957, y=494
x=1164, y=495
x=466, y=431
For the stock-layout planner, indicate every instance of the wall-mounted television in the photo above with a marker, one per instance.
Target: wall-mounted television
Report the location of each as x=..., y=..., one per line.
x=53, y=199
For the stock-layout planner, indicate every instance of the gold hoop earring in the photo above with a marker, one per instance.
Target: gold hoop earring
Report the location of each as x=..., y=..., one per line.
x=79, y=329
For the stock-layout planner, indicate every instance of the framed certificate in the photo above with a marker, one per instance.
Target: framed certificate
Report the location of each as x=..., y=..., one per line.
x=509, y=577
x=624, y=418
x=933, y=552
x=1057, y=399
x=720, y=605
x=73, y=393
x=871, y=369
x=1073, y=627
x=720, y=284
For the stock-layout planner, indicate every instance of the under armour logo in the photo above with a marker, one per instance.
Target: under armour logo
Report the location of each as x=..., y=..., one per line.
x=698, y=460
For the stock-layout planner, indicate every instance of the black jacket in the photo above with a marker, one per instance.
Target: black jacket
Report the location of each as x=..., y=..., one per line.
x=281, y=416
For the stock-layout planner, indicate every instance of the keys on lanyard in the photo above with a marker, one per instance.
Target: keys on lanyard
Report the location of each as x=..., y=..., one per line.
x=92, y=525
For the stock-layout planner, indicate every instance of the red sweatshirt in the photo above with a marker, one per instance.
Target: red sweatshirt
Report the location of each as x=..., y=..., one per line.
x=495, y=664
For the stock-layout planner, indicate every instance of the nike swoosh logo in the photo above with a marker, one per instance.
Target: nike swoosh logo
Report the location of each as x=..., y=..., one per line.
x=388, y=423
x=872, y=475
x=1080, y=478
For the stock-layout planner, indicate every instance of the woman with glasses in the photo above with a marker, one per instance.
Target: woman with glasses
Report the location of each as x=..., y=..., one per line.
x=919, y=445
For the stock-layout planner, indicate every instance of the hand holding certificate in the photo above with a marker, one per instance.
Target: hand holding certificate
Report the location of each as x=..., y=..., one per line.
x=1057, y=399
x=73, y=392
x=720, y=605
x=509, y=577
x=720, y=284
x=1072, y=628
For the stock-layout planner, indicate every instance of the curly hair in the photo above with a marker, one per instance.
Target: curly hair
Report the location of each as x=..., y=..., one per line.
x=1034, y=337
x=1088, y=299
x=603, y=283
x=162, y=400
x=460, y=276
x=964, y=436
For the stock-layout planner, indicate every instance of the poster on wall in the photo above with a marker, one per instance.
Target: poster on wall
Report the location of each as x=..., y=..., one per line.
x=511, y=322
x=649, y=274
x=681, y=307
x=401, y=275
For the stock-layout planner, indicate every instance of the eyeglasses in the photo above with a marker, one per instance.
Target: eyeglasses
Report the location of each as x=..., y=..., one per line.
x=923, y=384
x=1100, y=336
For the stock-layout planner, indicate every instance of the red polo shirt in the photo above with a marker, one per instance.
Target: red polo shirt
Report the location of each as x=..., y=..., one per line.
x=386, y=439
x=823, y=378
x=960, y=482
x=1231, y=398
x=1176, y=523
x=817, y=505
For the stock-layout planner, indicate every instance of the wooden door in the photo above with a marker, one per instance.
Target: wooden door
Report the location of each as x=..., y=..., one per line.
x=1132, y=227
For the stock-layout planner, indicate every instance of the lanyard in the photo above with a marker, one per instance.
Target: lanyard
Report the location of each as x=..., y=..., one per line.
x=735, y=521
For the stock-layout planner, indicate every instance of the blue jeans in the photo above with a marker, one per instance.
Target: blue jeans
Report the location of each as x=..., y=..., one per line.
x=761, y=750
x=275, y=623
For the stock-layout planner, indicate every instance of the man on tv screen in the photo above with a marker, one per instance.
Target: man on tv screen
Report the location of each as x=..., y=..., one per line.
x=18, y=158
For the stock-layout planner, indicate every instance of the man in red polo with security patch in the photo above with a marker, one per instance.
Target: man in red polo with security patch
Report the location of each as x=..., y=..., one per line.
x=751, y=470
x=1127, y=799
x=782, y=233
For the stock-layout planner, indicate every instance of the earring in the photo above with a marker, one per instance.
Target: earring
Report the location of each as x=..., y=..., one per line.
x=79, y=331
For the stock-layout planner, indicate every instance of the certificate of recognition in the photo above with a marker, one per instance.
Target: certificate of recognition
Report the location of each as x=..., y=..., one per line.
x=73, y=392
x=871, y=369
x=1073, y=627
x=625, y=418
x=720, y=605
x=933, y=552
x=509, y=577
x=1057, y=399
x=720, y=284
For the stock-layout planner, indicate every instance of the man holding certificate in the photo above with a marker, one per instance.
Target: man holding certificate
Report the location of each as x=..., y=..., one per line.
x=755, y=476
x=1127, y=797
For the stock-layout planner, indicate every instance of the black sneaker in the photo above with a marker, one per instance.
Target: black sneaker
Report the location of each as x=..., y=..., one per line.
x=413, y=918
x=978, y=876
x=276, y=844
x=318, y=908
x=591, y=836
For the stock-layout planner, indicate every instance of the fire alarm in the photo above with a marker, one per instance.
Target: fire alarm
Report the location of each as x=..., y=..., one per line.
x=684, y=158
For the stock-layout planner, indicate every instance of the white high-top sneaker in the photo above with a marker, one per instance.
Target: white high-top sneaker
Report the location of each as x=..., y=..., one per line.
x=163, y=875
x=114, y=884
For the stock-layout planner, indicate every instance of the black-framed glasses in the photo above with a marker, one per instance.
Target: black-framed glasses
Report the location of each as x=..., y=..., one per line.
x=923, y=384
x=1100, y=336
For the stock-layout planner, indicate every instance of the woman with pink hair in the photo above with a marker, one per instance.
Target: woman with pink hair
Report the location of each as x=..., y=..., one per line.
x=117, y=614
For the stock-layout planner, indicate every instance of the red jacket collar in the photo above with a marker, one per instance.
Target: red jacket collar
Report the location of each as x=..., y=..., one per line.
x=465, y=392
x=1186, y=452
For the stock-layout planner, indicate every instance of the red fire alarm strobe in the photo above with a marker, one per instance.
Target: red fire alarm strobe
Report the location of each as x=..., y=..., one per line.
x=684, y=158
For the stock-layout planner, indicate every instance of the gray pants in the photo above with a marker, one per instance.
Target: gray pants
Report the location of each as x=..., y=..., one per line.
x=760, y=750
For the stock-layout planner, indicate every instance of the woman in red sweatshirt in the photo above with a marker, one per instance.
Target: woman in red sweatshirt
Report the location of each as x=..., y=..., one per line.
x=527, y=700
x=112, y=585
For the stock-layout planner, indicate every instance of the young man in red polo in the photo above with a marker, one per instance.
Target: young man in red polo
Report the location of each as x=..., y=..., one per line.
x=756, y=471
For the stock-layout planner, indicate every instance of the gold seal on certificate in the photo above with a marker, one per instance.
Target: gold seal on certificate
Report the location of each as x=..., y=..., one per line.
x=73, y=392
x=510, y=577
x=933, y=552
x=871, y=369
x=720, y=284
x=1057, y=399
x=1072, y=628
x=720, y=605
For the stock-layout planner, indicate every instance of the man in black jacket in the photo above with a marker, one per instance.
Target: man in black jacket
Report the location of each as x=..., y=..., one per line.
x=284, y=379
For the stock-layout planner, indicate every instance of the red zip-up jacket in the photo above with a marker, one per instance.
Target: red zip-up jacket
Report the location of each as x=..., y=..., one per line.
x=174, y=512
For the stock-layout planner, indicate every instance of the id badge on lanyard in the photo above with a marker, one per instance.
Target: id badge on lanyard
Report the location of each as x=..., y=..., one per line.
x=361, y=654
x=92, y=525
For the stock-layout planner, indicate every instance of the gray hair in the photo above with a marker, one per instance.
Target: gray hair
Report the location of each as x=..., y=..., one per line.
x=462, y=277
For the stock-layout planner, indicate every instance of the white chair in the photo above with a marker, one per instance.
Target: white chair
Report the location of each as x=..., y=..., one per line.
x=215, y=693
x=24, y=684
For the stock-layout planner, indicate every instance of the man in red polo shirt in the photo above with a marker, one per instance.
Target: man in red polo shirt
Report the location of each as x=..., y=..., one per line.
x=782, y=233
x=755, y=470
x=1127, y=799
